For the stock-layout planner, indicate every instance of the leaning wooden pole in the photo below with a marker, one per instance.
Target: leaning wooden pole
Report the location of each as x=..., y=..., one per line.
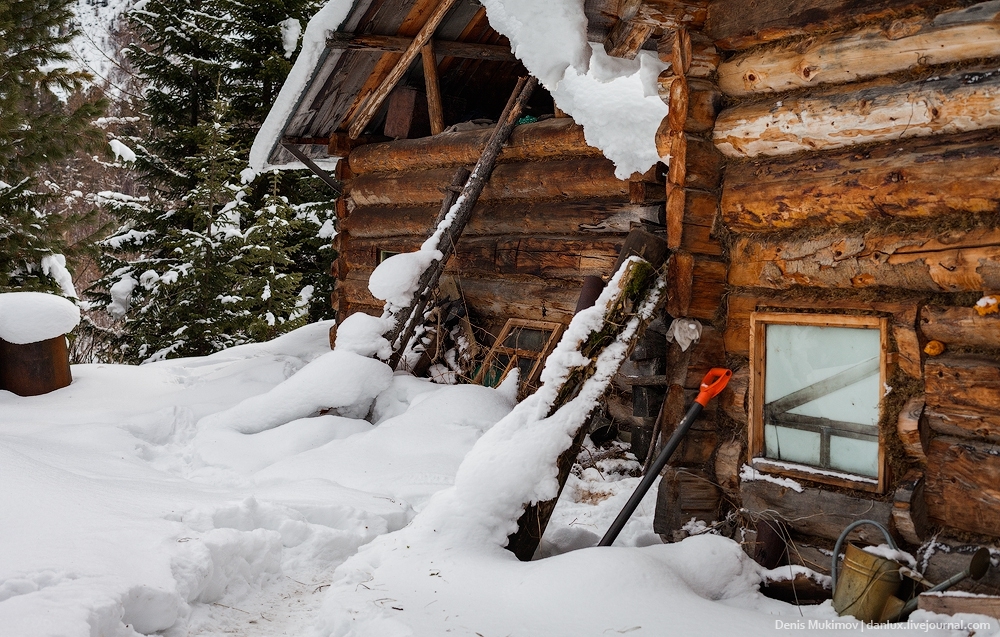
x=453, y=221
x=639, y=291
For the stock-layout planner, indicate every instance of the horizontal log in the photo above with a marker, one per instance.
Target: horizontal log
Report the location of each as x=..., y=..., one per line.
x=816, y=512
x=492, y=300
x=562, y=257
x=695, y=286
x=837, y=58
x=673, y=14
x=960, y=326
x=963, y=395
x=568, y=180
x=694, y=104
x=882, y=113
x=737, y=24
x=559, y=137
x=694, y=162
x=594, y=217
x=394, y=44
x=921, y=178
x=952, y=261
x=626, y=38
x=963, y=485
x=688, y=207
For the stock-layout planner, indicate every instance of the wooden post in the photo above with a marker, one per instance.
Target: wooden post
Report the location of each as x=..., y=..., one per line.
x=407, y=319
x=371, y=106
x=639, y=290
x=433, y=86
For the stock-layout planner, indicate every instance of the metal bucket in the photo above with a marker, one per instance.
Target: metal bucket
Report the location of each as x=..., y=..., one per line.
x=865, y=584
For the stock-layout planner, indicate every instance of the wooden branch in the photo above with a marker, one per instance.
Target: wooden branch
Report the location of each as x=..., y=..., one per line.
x=737, y=24
x=452, y=222
x=575, y=179
x=961, y=326
x=920, y=178
x=626, y=39
x=946, y=105
x=549, y=139
x=435, y=109
x=955, y=261
x=591, y=218
x=395, y=44
x=837, y=58
x=638, y=287
x=370, y=108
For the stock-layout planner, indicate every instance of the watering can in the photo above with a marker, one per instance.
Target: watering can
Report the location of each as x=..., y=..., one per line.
x=866, y=587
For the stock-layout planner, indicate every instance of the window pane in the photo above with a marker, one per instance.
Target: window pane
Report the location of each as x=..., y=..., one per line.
x=793, y=445
x=854, y=456
x=799, y=356
x=527, y=339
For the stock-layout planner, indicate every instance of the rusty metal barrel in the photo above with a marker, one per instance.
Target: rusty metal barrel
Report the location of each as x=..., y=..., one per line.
x=34, y=368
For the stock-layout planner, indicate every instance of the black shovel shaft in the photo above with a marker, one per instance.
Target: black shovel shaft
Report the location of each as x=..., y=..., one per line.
x=651, y=475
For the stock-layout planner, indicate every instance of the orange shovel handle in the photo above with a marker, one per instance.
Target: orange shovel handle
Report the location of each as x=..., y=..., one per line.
x=714, y=382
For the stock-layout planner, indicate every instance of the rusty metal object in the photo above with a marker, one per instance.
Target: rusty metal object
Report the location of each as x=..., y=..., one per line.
x=34, y=368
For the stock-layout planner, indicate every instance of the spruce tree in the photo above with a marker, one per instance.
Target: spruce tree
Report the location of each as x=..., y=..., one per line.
x=39, y=126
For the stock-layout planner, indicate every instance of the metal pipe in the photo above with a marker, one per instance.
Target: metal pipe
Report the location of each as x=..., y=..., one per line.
x=978, y=565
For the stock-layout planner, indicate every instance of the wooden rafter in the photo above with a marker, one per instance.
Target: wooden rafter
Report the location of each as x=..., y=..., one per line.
x=397, y=44
x=367, y=112
x=435, y=109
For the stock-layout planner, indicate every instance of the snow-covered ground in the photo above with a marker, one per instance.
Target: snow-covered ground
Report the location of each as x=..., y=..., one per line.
x=136, y=500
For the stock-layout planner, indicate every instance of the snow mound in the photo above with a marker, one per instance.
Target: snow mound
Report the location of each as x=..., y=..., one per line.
x=396, y=279
x=361, y=334
x=29, y=317
x=337, y=380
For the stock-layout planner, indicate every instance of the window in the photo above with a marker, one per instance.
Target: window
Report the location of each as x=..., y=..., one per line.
x=816, y=388
x=523, y=345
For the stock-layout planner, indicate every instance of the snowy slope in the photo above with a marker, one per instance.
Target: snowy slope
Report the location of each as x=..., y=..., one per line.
x=94, y=50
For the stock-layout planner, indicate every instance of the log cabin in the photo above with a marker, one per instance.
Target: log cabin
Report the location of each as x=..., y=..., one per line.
x=830, y=197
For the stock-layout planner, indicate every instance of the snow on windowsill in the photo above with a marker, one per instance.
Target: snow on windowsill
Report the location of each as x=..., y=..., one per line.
x=750, y=474
x=777, y=464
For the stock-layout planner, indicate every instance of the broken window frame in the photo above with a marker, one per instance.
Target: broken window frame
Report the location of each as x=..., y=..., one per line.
x=758, y=365
x=525, y=385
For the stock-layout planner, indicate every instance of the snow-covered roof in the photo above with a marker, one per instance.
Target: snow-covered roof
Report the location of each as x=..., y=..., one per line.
x=615, y=100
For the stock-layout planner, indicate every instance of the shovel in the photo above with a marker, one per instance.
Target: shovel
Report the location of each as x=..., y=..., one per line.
x=713, y=383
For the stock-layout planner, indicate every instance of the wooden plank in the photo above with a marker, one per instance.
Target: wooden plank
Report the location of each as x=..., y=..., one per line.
x=963, y=485
x=919, y=178
x=396, y=44
x=432, y=84
x=584, y=219
x=963, y=395
x=683, y=494
x=568, y=180
x=406, y=115
x=945, y=604
x=960, y=326
x=881, y=113
x=737, y=24
x=837, y=58
x=944, y=261
x=555, y=138
x=364, y=115
x=816, y=512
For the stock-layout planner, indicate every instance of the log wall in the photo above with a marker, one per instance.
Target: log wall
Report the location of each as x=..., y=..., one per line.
x=552, y=213
x=861, y=175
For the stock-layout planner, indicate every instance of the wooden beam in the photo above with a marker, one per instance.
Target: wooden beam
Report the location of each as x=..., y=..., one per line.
x=837, y=58
x=435, y=109
x=945, y=604
x=959, y=326
x=962, y=394
x=549, y=139
x=626, y=39
x=396, y=44
x=555, y=180
x=882, y=113
x=962, y=489
x=931, y=261
x=672, y=14
x=738, y=24
x=335, y=185
x=920, y=178
x=370, y=108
